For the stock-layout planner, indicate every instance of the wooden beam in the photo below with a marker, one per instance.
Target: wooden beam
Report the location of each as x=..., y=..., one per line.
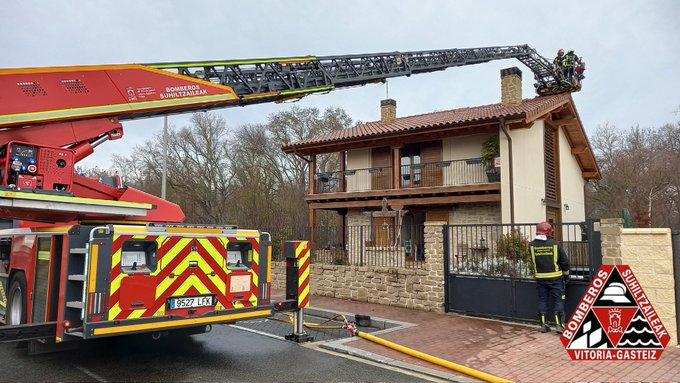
x=342, y=160
x=579, y=150
x=400, y=203
x=591, y=175
x=312, y=174
x=396, y=167
x=487, y=187
x=312, y=224
x=565, y=121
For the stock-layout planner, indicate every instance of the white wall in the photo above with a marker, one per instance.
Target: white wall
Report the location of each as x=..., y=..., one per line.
x=358, y=159
x=462, y=148
x=528, y=173
x=572, y=183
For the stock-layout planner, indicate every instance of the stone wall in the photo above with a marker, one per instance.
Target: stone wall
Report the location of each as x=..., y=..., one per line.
x=649, y=254
x=421, y=288
x=474, y=213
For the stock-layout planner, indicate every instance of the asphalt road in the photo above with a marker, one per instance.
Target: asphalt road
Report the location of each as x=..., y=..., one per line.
x=226, y=355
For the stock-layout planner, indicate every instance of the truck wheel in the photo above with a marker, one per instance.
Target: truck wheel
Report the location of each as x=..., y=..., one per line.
x=16, y=302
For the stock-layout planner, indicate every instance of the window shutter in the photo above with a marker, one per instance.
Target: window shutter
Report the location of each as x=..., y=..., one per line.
x=552, y=186
x=430, y=153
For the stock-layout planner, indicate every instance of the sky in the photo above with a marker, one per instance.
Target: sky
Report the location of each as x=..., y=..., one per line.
x=631, y=49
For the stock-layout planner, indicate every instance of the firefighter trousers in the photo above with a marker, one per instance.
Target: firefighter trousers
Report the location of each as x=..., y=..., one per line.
x=550, y=293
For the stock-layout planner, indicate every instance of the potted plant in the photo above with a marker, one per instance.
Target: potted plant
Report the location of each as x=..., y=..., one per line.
x=491, y=150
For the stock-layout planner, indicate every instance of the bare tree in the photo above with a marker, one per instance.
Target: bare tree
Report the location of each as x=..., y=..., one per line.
x=240, y=177
x=640, y=173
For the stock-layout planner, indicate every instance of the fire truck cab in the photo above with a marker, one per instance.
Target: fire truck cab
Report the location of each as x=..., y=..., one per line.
x=95, y=280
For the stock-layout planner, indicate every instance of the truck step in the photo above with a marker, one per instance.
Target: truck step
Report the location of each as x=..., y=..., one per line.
x=79, y=250
x=75, y=305
x=75, y=333
x=77, y=277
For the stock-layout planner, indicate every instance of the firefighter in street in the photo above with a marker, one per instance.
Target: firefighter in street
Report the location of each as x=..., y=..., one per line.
x=551, y=269
x=568, y=64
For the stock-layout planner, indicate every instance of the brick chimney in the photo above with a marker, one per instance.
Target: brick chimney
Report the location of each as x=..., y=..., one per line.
x=388, y=110
x=511, y=85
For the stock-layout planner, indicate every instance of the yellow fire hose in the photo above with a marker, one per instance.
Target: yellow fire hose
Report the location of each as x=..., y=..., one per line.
x=403, y=349
x=433, y=359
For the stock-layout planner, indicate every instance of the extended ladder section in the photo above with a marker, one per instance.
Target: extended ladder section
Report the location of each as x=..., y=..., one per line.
x=280, y=78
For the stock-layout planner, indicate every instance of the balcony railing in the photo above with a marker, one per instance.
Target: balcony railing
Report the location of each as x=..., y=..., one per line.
x=443, y=173
x=377, y=178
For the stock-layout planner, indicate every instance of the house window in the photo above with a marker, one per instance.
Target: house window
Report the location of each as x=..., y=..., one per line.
x=411, y=172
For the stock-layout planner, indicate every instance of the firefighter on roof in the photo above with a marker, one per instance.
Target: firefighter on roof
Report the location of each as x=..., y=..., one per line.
x=558, y=61
x=551, y=269
x=569, y=63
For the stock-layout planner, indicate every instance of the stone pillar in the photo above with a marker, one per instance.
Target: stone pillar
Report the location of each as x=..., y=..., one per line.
x=434, y=265
x=649, y=253
x=511, y=85
x=610, y=229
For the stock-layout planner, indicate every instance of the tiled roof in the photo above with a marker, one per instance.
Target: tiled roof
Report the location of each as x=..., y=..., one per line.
x=528, y=109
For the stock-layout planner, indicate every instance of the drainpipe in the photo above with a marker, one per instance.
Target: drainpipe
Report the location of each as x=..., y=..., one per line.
x=510, y=177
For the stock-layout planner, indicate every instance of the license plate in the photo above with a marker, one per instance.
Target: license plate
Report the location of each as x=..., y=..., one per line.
x=191, y=302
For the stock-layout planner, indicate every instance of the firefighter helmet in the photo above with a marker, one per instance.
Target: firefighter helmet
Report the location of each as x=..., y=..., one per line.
x=560, y=52
x=544, y=228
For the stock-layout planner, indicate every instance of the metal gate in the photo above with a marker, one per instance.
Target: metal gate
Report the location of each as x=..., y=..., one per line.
x=488, y=272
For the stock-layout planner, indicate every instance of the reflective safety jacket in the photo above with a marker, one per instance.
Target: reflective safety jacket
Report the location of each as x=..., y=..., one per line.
x=569, y=60
x=549, y=260
x=557, y=62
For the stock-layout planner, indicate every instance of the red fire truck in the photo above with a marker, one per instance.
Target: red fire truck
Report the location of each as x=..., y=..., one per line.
x=83, y=258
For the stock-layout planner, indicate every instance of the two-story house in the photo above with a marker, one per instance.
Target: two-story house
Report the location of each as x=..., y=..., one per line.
x=517, y=161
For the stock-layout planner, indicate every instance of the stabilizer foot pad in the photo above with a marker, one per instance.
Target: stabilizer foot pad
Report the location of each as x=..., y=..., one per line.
x=299, y=338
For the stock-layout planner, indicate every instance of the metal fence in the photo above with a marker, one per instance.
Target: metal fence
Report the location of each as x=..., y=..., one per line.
x=361, y=245
x=370, y=245
x=503, y=250
x=444, y=173
x=376, y=178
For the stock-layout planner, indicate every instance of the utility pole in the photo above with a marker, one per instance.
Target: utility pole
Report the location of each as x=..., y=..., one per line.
x=164, y=176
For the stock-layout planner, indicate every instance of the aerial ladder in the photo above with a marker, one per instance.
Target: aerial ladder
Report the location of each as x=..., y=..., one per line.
x=99, y=274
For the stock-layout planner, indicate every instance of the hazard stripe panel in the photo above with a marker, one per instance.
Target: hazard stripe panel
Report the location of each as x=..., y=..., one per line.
x=186, y=266
x=303, y=258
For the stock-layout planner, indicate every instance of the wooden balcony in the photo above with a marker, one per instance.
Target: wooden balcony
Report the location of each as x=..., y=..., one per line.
x=416, y=184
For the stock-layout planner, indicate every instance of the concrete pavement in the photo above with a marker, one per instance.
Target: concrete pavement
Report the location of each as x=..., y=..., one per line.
x=224, y=355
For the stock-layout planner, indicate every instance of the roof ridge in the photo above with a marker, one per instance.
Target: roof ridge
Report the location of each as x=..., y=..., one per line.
x=527, y=106
x=452, y=110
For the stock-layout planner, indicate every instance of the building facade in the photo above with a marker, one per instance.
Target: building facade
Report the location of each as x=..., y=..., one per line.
x=517, y=161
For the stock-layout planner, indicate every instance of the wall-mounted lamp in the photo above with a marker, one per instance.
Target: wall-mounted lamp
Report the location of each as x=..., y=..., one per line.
x=566, y=206
x=543, y=202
